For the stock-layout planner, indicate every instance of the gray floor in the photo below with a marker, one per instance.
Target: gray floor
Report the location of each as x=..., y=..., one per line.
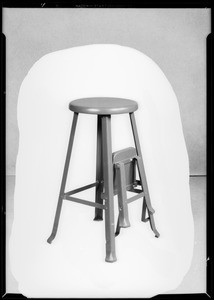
x=194, y=281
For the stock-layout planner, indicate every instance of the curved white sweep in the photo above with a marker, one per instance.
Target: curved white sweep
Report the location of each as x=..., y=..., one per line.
x=73, y=265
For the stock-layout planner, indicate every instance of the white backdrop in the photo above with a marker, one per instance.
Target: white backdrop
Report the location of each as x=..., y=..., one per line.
x=73, y=265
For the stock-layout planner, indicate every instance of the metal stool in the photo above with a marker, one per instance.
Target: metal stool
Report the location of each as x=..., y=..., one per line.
x=115, y=173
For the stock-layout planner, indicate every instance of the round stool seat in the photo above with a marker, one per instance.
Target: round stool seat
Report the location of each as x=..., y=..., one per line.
x=103, y=106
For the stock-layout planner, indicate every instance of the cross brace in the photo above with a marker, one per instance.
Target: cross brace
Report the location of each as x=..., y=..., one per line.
x=67, y=196
x=82, y=201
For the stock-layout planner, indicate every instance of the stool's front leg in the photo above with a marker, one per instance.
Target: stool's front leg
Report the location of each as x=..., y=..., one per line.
x=108, y=186
x=64, y=177
x=99, y=175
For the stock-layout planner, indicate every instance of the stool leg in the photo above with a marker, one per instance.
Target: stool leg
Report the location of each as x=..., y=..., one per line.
x=147, y=201
x=143, y=216
x=122, y=197
x=108, y=186
x=143, y=180
x=99, y=176
x=64, y=177
x=117, y=232
x=123, y=218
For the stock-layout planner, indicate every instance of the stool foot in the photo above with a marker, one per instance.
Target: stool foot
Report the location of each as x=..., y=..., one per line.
x=98, y=218
x=111, y=257
x=150, y=218
x=121, y=224
x=145, y=220
x=51, y=238
x=117, y=232
x=157, y=234
x=152, y=224
x=125, y=223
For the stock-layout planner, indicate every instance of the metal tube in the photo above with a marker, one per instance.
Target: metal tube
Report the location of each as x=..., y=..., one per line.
x=64, y=177
x=81, y=189
x=99, y=172
x=108, y=185
x=85, y=202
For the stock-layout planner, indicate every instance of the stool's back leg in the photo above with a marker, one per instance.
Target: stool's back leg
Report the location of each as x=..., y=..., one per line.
x=99, y=176
x=140, y=165
x=108, y=185
x=135, y=134
x=152, y=224
x=117, y=232
x=64, y=177
x=143, y=180
x=122, y=197
x=144, y=209
x=142, y=175
x=147, y=200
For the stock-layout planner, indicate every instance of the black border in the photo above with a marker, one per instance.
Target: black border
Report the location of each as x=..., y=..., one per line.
x=210, y=148
x=106, y=4
x=210, y=151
